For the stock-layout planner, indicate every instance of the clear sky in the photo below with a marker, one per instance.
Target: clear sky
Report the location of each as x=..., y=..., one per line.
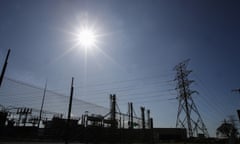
x=140, y=42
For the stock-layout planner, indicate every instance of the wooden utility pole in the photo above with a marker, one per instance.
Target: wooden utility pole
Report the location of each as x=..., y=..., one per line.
x=70, y=101
x=4, y=67
x=69, y=113
x=43, y=100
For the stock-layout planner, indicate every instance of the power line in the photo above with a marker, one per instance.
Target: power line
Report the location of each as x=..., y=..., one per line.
x=100, y=84
x=214, y=103
x=50, y=96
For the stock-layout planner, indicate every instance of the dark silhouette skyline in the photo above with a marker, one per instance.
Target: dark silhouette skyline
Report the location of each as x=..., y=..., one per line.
x=140, y=42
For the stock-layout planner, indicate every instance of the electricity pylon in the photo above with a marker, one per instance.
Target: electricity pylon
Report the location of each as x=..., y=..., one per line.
x=188, y=116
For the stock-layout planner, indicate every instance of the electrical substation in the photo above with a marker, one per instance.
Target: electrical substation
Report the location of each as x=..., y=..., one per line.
x=41, y=120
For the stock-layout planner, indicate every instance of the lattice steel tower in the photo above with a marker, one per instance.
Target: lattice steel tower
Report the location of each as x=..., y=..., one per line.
x=188, y=116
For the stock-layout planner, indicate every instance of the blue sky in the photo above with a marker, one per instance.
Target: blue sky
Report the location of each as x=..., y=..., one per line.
x=141, y=43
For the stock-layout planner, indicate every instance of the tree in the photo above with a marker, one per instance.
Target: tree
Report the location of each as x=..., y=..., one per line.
x=228, y=130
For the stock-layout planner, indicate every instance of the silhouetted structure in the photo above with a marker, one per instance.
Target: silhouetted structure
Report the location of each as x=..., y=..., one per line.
x=90, y=128
x=4, y=67
x=130, y=113
x=236, y=90
x=42, y=104
x=37, y=124
x=188, y=115
x=238, y=113
x=143, y=117
x=113, y=111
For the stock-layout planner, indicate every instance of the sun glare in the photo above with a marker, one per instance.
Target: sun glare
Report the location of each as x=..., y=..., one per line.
x=87, y=37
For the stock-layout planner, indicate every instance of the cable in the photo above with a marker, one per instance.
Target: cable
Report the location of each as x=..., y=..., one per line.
x=32, y=98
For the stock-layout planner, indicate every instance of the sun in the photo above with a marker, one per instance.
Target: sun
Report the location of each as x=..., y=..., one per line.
x=87, y=37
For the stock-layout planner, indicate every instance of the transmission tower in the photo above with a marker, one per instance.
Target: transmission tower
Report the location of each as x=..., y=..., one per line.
x=188, y=116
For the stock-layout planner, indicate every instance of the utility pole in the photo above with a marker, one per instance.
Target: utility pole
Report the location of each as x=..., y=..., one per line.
x=4, y=67
x=188, y=116
x=113, y=110
x=69, y=112
x=70, y=101
x=143, y=117
x=43, y=100
x=130, y=114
